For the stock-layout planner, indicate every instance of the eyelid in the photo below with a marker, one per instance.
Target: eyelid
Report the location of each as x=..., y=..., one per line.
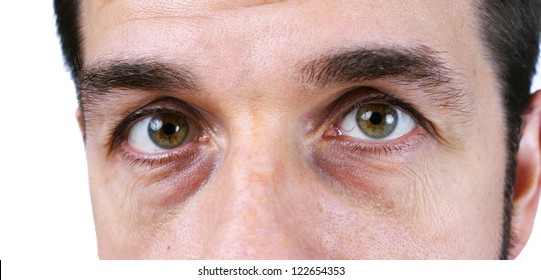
x=352, y=99
x=167, y=105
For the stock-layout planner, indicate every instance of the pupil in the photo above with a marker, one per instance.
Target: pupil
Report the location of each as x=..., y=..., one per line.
x=169, y=129
x=376, y=118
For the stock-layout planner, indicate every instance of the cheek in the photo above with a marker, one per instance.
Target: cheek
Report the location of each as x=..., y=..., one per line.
x=428, y=203
x=373, y=180
x=461, y=211
x=133, y=202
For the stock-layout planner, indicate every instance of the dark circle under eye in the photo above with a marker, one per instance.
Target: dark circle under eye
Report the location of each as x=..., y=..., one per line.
x=168, y=130
x=377, y=120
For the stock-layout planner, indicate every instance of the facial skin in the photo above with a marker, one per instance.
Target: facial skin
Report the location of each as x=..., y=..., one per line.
x=269, y=169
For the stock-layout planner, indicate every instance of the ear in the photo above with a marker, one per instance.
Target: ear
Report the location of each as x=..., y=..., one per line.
x=527, y=184
x=81, y=122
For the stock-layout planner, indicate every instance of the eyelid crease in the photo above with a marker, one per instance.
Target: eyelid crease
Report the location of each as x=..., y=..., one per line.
x=420, y=68
x=397, y=104
x=356, y=97
x=119, y=134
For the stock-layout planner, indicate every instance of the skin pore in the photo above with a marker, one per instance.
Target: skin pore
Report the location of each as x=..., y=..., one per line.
x=269, y=168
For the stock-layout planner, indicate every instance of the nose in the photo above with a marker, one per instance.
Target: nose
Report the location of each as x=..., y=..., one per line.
x=258, y=202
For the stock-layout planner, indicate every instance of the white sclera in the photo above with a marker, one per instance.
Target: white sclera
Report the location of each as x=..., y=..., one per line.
x=139, y=139
x=350, y=127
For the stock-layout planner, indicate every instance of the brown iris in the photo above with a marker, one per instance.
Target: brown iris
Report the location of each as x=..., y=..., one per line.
x=377, y=120
x=168, y=130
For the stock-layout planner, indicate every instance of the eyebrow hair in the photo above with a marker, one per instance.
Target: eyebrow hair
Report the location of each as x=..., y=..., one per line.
x=144, y=74
x=420, y=67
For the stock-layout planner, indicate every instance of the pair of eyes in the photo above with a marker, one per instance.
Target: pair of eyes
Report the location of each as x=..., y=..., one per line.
x=373, y=122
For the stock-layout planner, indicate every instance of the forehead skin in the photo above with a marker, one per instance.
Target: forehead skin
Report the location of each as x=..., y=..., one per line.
x=246, y=55
x=257, y=26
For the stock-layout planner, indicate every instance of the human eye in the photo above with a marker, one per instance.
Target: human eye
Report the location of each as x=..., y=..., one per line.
x=376, y=122
x=160, y=133
x=368, y=120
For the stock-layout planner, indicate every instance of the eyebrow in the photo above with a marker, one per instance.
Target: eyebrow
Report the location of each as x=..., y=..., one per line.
x=142, y=74
x=148, y=74
x=419, y=67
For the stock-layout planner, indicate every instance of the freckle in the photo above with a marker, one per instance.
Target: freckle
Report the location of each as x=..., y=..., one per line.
x=446, y=105
x=168, y=247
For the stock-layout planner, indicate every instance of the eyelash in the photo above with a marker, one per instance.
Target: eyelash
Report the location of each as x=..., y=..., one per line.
x=178, y=155
x=380, y=98
x=362, y=96
x=119, y=135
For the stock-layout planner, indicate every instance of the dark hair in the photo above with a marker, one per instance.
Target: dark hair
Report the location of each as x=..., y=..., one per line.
x=510, y=34
x=69, y=31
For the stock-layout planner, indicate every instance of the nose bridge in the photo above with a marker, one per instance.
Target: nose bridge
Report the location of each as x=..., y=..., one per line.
x=262, y=144
x=253, y=208
x=254, y=171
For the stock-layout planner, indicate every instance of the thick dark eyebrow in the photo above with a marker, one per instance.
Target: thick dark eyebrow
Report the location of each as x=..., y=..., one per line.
x=419, y=67
x=138, y=74
x=104, y=76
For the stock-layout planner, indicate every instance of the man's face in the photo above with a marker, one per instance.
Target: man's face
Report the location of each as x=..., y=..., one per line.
x=301, y=129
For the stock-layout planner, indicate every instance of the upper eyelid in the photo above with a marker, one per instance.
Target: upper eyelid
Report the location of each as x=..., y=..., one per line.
x=338, y=109
x=175, y=106
x=397, y=104
x=355, y=97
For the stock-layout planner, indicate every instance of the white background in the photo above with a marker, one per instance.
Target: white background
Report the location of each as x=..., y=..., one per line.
x=45, y=210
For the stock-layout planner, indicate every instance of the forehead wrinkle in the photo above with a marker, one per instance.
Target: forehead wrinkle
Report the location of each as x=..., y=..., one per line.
x=141, y=9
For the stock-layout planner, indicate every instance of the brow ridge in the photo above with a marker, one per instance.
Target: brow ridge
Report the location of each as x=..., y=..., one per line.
x=142, y=74
x=418, y=67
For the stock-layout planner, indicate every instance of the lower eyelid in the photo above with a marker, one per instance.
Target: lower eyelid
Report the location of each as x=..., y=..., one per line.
x=418, y=131
x=182, y=155
x=400, y=146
